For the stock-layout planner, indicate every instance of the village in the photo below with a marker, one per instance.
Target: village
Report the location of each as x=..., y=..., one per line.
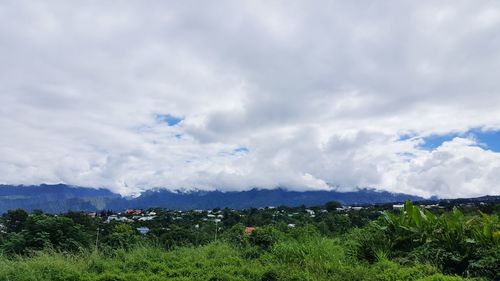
x=218, y=220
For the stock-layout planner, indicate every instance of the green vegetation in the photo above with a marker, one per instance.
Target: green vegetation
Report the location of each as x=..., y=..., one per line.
x=286, y=244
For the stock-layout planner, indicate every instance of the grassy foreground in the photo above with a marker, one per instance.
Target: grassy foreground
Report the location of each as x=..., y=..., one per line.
x=316, y=258
x=410, y=244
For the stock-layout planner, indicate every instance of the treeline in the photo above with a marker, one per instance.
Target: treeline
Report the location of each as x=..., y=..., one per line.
x=321, y=243
x=22, y=233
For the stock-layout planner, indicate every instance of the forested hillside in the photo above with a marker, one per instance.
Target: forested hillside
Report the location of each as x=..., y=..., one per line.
x=62, y=198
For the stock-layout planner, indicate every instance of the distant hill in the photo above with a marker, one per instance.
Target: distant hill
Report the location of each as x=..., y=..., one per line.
x=257, y=198
x=61, y=198
x=54, y=198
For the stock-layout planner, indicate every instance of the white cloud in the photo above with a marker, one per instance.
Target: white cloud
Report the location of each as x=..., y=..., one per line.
x=318, y=92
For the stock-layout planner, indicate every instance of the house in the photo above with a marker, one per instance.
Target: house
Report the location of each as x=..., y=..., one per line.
x=432, y=206
x=398, y=207
x=249, y=229
x=291, y=225
x=133, y=211
x=357, y=208
x=116, y=218
x=147, y=218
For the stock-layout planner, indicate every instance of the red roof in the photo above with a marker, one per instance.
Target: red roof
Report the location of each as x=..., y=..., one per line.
x=249, y=229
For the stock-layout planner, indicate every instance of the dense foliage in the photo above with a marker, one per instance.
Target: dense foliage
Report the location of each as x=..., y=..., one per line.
x=322, y=243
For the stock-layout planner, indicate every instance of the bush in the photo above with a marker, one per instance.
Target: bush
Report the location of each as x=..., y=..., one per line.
x=110, y=277
x=265, y=237
x=440, y=277
x=270, y=275
x=368, y=244
x=305, y=232
x=486, y=263
x=236, y=236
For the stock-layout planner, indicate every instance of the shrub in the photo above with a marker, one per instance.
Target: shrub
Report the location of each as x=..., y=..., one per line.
x=486, y=263
x=367, y=244
x=110, y=277
x=440, y=277
x=265, y=237
x=270, y=275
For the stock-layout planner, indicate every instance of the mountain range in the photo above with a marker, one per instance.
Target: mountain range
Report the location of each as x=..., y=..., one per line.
x=61, y=198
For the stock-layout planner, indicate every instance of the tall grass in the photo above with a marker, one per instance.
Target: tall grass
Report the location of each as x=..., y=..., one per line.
x=316, y=258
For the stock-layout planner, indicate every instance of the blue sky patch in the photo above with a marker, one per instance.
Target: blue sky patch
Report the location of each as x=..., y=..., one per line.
x=489, y=140
x=169, y=119
x=407, y=136
x=434, y=141
x=241, y=149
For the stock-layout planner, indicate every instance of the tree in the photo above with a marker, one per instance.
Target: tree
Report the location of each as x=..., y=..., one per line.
x=59, y=232
x=332, y=206
x=15, y=220
x=81, y=218
x=123, y=236
x=14, y=244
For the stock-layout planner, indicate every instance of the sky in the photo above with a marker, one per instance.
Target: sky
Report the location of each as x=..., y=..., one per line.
x=402, y=96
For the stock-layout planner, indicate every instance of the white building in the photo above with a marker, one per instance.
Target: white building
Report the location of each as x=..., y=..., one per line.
x=398, y=207
x=116, y=218
x=148, y=218
x=143, y=230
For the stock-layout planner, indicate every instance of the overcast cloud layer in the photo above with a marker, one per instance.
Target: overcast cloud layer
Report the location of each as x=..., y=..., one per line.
x=300, y=94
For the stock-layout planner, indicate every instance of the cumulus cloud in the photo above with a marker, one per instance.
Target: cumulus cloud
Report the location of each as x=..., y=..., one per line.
x=235, y=95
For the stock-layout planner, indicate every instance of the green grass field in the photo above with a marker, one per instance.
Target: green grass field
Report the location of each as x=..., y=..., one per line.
x=309, y=259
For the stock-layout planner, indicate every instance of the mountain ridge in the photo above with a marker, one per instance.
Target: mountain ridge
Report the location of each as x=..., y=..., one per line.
x=59, y=198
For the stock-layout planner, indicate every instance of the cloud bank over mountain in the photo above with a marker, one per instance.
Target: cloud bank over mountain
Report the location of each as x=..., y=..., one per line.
x=233, y=95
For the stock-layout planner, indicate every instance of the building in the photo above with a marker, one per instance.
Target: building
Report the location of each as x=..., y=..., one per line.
x=147, y=218
x=143, y=230
x=133, y=211
x=117, y=218
x=249, y=229
x=310, y=212
x=398, y=207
